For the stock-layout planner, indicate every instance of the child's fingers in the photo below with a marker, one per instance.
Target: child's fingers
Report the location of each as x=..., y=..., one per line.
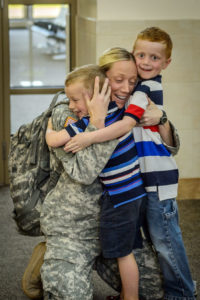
x=108, y=93
x=69, y=147
x=72, y=148
x=76, y=150
x=72, y=144
x=149, y=101
x=96, y=86
x=104, y=87
x=86, y=97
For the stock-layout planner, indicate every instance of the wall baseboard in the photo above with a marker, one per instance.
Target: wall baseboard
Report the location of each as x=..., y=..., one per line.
x=189, y=188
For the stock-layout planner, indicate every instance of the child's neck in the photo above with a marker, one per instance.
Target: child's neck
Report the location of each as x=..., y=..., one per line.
x=140, y=78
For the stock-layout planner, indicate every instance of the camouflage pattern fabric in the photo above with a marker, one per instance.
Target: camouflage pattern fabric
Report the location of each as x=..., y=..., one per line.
x=150, y=284
x=70, y=222
x=30, y=175
x=70, y=218
x=174, y=150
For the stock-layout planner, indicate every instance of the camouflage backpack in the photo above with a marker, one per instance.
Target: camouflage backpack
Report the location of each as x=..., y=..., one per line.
x=29, y=172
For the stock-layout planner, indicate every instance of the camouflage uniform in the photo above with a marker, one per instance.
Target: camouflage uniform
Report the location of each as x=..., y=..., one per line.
x=70, y=222
x=70, y=218
x=174, y=150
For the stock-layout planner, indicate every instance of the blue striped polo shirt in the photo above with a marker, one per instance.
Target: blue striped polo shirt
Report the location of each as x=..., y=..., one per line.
x=121, y=177
x=158, y=167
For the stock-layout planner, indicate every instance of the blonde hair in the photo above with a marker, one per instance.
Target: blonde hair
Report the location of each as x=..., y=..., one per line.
x=155, y=34
x=112, y=55
x=86, y=74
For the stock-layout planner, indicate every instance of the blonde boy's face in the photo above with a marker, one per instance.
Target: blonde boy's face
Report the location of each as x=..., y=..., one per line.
x=150, y=58
x=75, y=93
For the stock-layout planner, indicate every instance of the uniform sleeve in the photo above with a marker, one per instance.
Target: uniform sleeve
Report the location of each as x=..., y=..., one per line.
x=173, y=150
x=77, y=127
x=86, y=165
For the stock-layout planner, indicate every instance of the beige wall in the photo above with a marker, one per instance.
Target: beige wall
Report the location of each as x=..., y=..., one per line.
x=147, y=10
x=107, y=23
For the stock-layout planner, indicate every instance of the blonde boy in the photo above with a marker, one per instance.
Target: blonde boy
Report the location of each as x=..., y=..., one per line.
x=81, y=83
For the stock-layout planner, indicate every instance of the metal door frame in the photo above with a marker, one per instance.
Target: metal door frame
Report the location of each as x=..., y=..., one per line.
x=5, y=90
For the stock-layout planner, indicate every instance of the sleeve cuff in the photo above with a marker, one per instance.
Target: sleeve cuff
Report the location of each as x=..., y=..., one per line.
x=173, y=149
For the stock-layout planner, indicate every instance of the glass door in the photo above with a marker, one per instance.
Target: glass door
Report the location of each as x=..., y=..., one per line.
x=39, y=57
x=38, y=51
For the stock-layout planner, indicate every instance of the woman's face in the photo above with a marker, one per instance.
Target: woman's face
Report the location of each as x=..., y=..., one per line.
x=122, y=78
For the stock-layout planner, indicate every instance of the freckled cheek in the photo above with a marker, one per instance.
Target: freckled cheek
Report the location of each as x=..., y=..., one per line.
x=112, y=95
x=112, y=85
x=157, y=66
x=113, y=91
x=137, y=61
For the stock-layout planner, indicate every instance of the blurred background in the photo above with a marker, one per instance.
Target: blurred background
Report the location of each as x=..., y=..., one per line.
x=41, y=41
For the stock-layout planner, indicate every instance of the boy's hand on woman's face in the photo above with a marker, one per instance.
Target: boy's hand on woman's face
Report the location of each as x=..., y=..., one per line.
x=98, y=105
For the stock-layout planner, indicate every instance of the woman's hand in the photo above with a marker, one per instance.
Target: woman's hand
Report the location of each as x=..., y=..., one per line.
x=98, y=105
x=151, y=115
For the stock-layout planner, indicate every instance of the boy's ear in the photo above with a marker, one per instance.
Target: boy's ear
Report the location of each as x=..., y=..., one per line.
x=167, y=63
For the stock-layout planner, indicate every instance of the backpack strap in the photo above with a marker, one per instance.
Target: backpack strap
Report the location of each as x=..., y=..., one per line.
x=46, y=114
x=53, y=102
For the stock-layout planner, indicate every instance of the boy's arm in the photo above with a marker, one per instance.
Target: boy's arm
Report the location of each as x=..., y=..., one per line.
x=97, y=108
x=151, y=117
x=56, y=138
x=85, y=166
x=105, y=134
x=116, y=130
x=166, y=134
x=174, y=148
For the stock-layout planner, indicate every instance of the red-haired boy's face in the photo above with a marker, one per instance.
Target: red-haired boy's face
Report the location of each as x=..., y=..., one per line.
x=150, y=58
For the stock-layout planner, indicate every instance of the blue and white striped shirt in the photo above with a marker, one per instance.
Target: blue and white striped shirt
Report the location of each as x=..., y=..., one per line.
x=158, y=167
x=121, y=177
